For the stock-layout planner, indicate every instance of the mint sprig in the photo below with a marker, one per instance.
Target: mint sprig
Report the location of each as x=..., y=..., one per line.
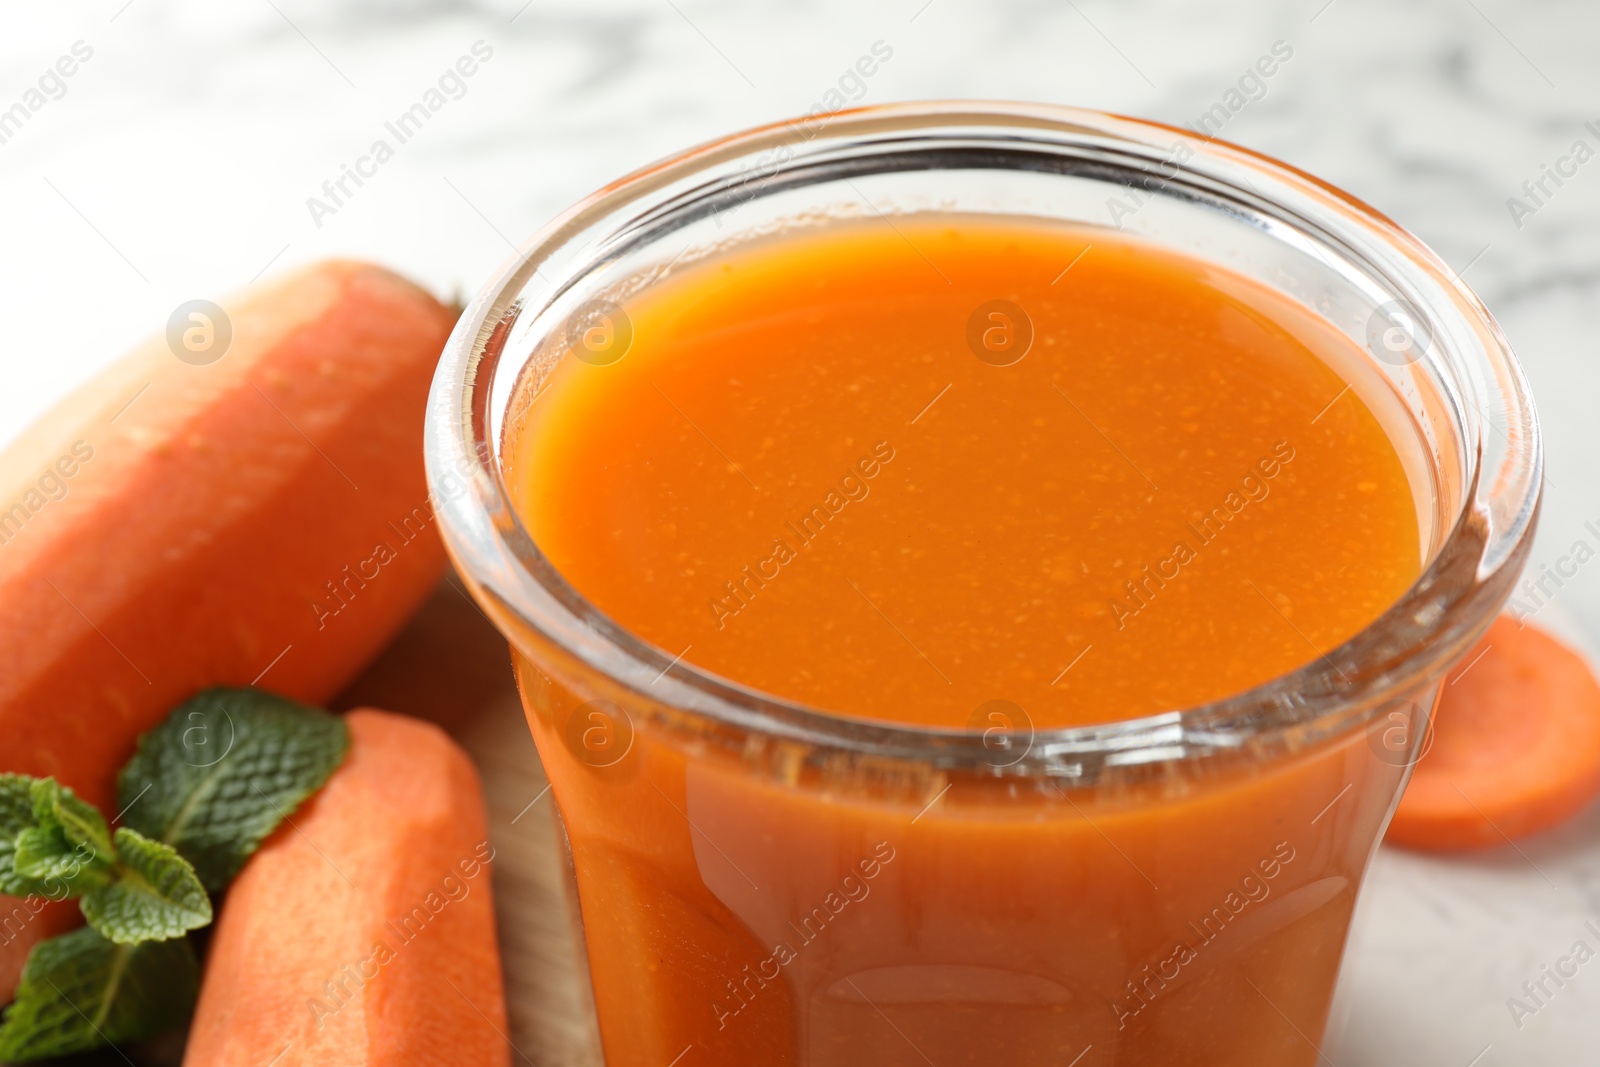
x=132, y=889
x=205, y=788
x=223, y=771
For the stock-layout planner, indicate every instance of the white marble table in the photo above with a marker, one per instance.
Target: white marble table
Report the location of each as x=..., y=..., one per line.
x=176, y=162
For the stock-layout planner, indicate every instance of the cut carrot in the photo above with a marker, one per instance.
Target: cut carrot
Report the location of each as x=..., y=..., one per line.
x=363, y=933
x=259, y=519
x=1516, y=745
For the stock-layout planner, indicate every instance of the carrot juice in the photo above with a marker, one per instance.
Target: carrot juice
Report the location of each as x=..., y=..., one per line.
x=974, y=475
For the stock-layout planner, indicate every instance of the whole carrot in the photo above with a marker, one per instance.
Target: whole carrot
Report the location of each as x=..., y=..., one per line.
x=241, y=500
x=362, y=933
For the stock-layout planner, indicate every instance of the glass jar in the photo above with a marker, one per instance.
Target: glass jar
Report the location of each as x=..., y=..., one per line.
x=766, y=883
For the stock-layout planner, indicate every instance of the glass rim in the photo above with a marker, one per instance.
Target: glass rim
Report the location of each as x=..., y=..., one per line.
x=1454, y=599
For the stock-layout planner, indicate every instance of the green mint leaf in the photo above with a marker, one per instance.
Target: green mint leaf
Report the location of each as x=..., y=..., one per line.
x=45, y=856
x=156, y=896
x=16, y=805
x=40, y=852
x=81, y=991
x=51, y=842
x=54, y=805
x=16, y=816
x=223, y=771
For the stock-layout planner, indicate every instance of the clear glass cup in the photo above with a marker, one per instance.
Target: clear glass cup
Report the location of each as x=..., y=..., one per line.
x=766, y=883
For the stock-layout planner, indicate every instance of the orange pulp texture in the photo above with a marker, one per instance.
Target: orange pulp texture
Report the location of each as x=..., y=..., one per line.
x=801, y=473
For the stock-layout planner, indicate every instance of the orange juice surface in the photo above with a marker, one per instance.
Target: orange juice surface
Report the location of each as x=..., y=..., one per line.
x=897, y=471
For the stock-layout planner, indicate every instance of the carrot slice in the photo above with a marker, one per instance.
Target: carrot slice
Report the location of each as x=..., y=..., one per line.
x=1516, y=745
x=363, y=934
x=173, y=526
